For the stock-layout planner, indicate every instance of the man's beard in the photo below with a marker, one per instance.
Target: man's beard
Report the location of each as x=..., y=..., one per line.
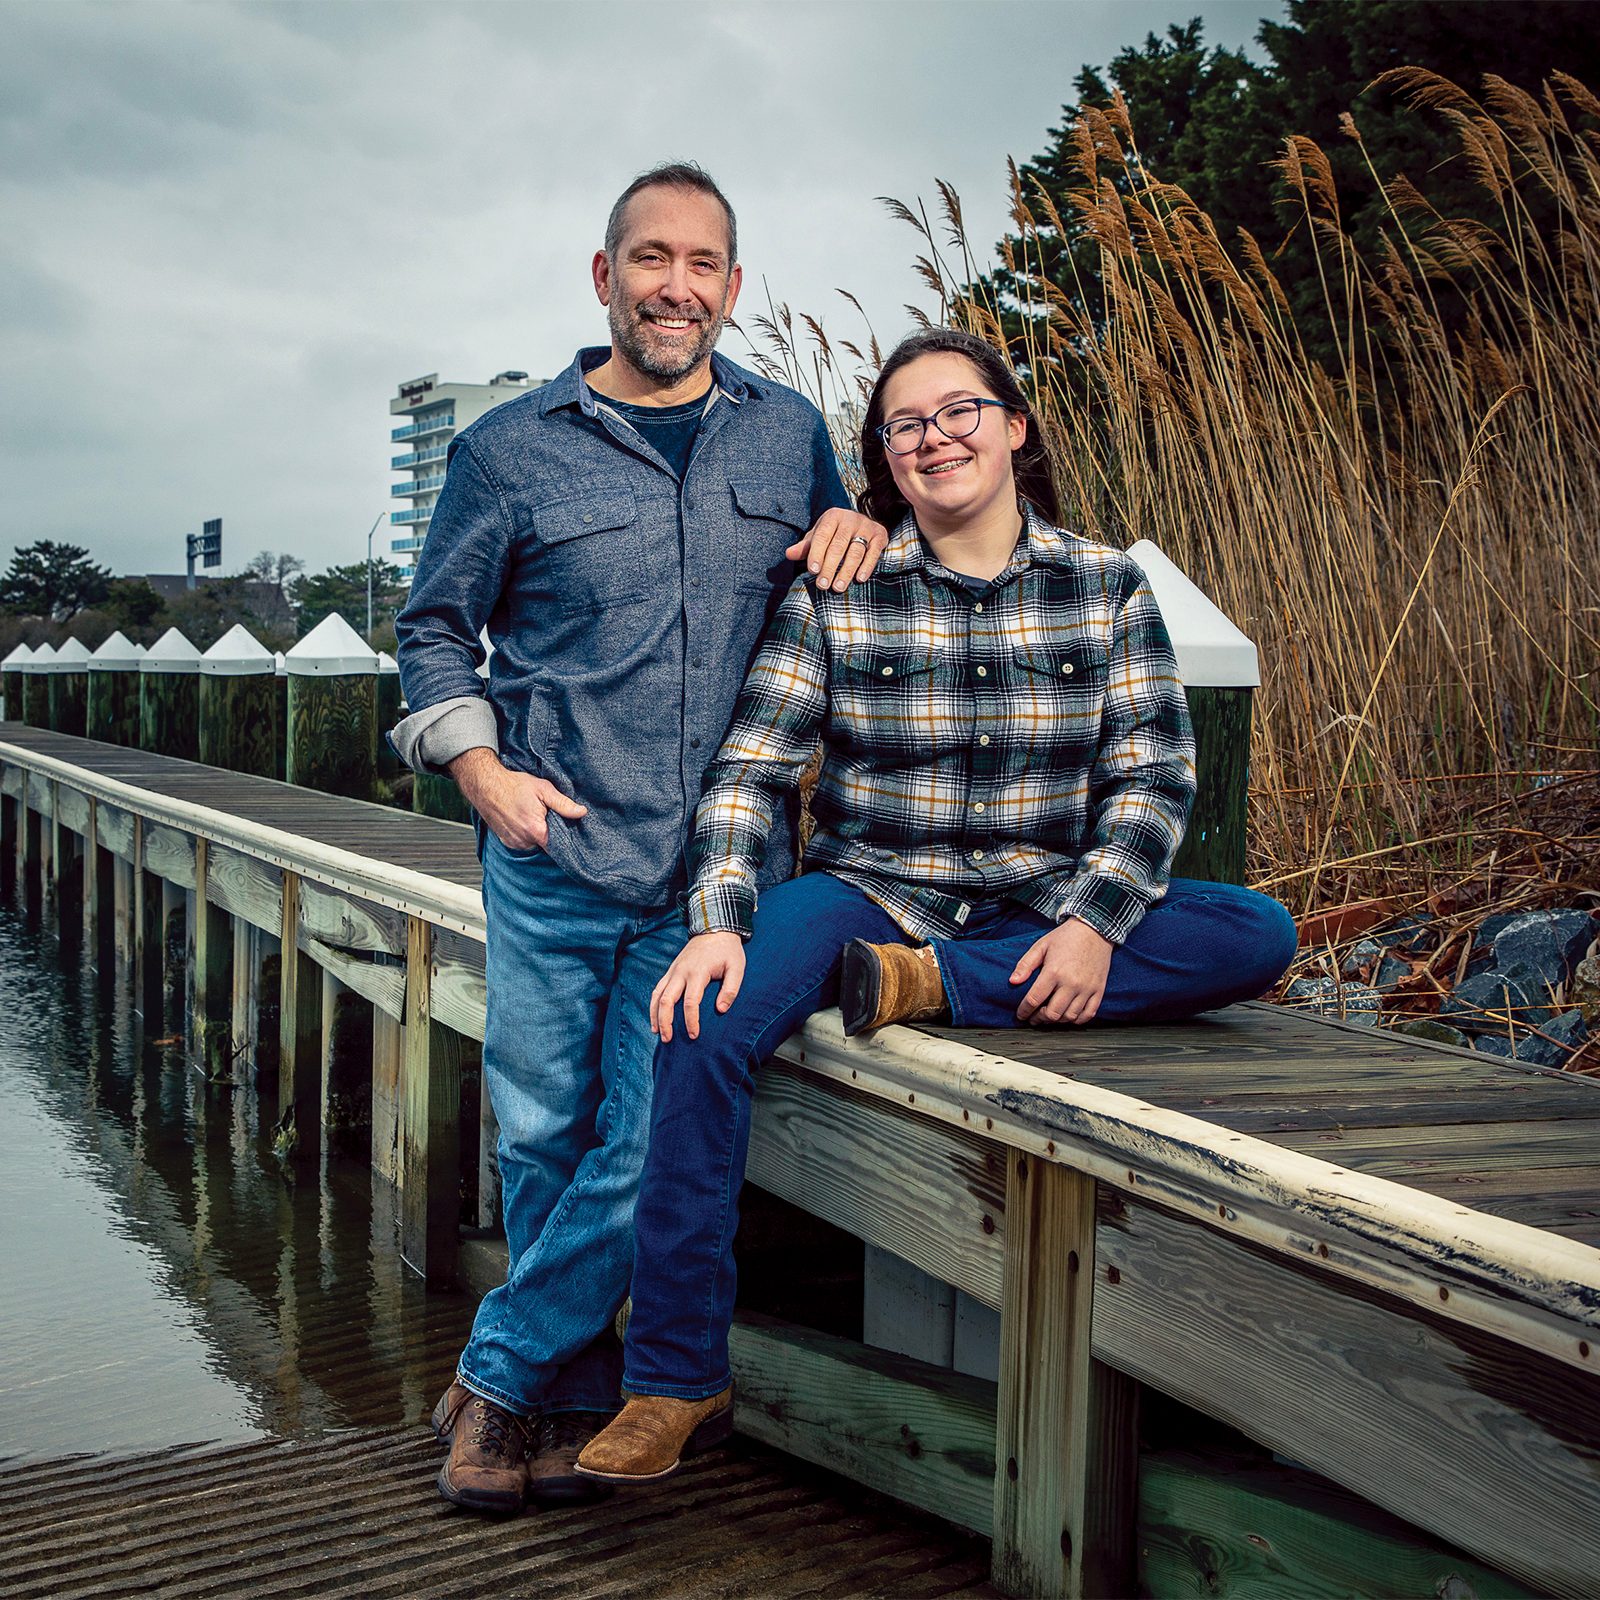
x=652, y=354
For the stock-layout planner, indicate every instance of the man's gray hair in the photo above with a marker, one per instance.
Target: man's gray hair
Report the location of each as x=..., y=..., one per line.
x=670, y=175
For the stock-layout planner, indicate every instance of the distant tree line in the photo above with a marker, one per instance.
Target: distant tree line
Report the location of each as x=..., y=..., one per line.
x=1212, y=122
x=53, y=591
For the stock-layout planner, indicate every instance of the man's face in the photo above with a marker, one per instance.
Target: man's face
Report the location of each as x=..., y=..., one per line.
x=671, y=286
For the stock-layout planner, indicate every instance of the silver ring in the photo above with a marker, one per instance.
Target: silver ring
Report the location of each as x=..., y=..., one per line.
x=859, y=540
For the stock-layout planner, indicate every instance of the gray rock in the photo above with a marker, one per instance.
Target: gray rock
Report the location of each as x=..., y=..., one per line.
x=1390, y=971
x=1328, y=997
x=1415, y=933
x=1549, y=944
x=1361, y=954
x=1585, y=993
x=1492, y=1044
x=1564, y=1034
x=1434, y=1032
x=1497, y=992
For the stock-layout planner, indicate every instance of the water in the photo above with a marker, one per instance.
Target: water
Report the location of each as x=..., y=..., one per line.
x=163, y=1280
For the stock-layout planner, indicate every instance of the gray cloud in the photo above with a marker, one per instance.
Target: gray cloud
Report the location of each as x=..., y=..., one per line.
x=232, y=229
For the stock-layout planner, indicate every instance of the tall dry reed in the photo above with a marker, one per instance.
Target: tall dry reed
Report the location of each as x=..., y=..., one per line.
x=1410, y=532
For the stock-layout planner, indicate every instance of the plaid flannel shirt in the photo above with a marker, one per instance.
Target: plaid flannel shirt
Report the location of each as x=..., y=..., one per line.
x=1029, y=742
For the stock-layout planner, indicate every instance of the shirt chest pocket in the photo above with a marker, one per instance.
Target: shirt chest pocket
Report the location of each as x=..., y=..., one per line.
x=886, y=698
x=769, y=515
x=592, y=548
x=1060, y=693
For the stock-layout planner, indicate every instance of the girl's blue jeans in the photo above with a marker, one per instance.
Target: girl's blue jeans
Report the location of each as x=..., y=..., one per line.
x=1201, y=946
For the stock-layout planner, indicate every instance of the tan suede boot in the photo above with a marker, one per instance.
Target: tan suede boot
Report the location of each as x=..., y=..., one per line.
x=651, y=1435
x=883, y=983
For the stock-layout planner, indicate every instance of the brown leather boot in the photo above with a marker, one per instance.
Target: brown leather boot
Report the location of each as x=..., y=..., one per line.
x=443, y=1420
x=488, y=1465
x=651, y=1435
x=883, y=983
x=553, y=1478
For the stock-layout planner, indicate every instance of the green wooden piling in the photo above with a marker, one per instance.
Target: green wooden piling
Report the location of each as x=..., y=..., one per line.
x=11, y=680
x=333, y=711
x=68, y=689
x=1219, y=669
x=169, y=698
x=36, y=687
x=239, y=705
x=112, y=713
x=390, y=710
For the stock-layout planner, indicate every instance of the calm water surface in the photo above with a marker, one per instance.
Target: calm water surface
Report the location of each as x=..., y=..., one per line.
x=162, y=1279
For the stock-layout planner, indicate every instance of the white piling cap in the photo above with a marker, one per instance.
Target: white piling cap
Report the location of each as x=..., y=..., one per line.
x=116, y=655
x=333, y=649
x=140, y=651
x=1211, y=652
x=387, y=663
x=171, y=653
x=237, y=654
x=277, y=663
x=39, y=661
x=73, y=656
x=20, y=656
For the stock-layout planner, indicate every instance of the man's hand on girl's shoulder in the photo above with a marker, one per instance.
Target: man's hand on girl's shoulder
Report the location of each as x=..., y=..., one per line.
x=842, y=548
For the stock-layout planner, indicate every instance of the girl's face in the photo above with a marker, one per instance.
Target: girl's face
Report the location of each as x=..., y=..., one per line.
x=950, y=481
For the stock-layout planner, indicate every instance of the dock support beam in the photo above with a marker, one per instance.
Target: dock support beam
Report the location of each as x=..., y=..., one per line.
x=213, y=959
x=299, y=1034
x=430, y=1125
x=1066, y=1443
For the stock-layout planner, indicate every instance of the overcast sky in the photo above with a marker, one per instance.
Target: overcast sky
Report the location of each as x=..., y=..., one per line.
x=231, y=230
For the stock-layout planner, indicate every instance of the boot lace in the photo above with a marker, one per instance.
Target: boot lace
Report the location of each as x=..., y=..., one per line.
x=497, y=1432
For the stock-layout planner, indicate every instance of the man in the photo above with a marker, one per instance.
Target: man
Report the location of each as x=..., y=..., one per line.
x=623, y=535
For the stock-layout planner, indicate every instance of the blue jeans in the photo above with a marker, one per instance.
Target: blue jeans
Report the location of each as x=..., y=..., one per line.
x=1203, y=945
x=567, y=1053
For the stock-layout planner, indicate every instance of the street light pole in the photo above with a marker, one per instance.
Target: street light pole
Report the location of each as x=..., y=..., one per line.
x=370, y=531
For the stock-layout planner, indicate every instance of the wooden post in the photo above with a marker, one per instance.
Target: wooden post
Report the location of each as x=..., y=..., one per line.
x=91, y=882
x=333, y=711
x=213, y=959
x=1066, y=1442
x=36, y=687
x=67, y=850
x=281, y=724
x=390, y=708
x=430, y=1120
x=68, y=688
x=11, y=680
x=388, y=1064
x=8, y=839
x=49, y=862
x=299, y=1035
x=488, y=1158
x=239, y=705
x=112, y=705
x=174, y=954
x=243, y=1021
x=1220, y=672
x=30, y=856
x=169, y=698
x=123, y=936
x=346, y=1063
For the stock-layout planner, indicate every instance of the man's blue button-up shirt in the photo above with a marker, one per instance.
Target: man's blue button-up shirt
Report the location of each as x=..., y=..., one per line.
x=624, y=607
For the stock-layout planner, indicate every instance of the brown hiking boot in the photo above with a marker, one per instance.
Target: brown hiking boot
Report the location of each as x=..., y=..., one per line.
x=488, y=1467
x=884, y=983
x=651, y=1435
x=443, y=1420
x=553, y=1479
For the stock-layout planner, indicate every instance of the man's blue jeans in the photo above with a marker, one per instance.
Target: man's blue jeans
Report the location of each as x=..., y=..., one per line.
x=567, y=1053
x=1203, y=945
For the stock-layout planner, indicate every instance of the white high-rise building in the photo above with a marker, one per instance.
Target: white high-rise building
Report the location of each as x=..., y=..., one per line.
x=434, y=412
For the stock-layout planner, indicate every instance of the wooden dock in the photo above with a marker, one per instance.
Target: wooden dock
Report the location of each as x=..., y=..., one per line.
x=1377, y=1257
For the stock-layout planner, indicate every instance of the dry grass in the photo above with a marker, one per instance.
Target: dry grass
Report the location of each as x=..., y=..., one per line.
x=1409, y=533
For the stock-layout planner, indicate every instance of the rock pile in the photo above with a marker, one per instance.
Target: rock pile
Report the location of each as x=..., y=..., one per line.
x=1530, y=987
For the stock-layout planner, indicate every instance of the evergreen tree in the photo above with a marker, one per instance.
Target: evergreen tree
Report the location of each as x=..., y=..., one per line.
x=51, y=580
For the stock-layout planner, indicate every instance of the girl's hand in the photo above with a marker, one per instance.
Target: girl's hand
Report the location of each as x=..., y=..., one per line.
x=1072, y=961
x=706, y=957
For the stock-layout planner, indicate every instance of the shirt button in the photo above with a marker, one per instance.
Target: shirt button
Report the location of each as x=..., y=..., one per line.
x=1066, y=666
x=977, y=855
x=695, y=663
x=888, y=672
x=983, y=738
x=694, y=744
x=979, y=806
x=587, y=517
x=983, y=672
x=978, y=606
